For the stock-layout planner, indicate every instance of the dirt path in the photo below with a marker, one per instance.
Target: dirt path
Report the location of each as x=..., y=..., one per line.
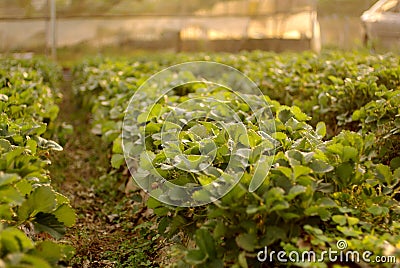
x=77, y=172
x=114, y=228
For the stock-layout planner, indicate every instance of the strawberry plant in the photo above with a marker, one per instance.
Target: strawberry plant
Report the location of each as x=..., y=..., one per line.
x=382, y=117
x=334, y=173
x=30, y=209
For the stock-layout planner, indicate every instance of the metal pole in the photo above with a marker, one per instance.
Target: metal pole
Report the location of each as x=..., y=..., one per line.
x=53, y=29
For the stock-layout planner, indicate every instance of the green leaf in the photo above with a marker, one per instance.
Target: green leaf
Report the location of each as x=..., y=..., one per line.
x=252, y=209
x=321, y=129
x=335, y=148
x=152, y=128
x=206, y=243
x=396, y=174
x=284, y=114
x=153, y=203
x=313, y=230
x=31, y=145
x=117, y=160
x=24, y=187
x=273, y=233
x=242, y=260
x=61, y=199
x=352, y=220
x=10, y=195
x=6, y=178
x=195, y=257
x=299, y=115
x=5, y=212
x=42, y=199
x=12, y=155
x=349, y=153
x=14, y=240
x=377, y=210
x=183, y=180
x=324, y=214
x=321, y=211
x=161, y=211
x=260, y=175
x=254, y=138
x=319, y=166
x=356, y=115
x=384, y=174
x=49, y=251
x=295, y=157
x=29, y=260
x=5, y=145
x=326, y=202
x=300, y=170
x=289, y=216
x=143, y=118
x=220, y=230
x=339, y=219
x=295, y=191
x=395, y=163
x=247, y=241
x=280, y=136
x=48, y=223
x=279, y=205
x=345, y=171
x=217, y=263
x=202, y=195
x=286, y=171
x=117, y=146
x=163, y=224
x=349, y=231
x=146, y=160
x=65, y=214
x=48, y=144
x=199, y=130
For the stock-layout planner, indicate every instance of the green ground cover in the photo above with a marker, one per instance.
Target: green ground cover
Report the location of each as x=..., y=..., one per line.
x=334, y=173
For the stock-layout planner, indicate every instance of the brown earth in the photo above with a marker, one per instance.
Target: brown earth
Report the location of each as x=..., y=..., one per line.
x=106, y=215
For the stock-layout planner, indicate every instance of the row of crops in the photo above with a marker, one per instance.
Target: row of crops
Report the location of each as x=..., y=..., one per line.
x=334, y=173
x=314, y=158
x=33, y=216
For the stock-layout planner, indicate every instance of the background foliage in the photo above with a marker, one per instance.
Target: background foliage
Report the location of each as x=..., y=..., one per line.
x=335, y=172
x=32, y=214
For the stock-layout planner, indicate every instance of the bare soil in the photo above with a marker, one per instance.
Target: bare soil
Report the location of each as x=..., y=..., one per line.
x=76, y=172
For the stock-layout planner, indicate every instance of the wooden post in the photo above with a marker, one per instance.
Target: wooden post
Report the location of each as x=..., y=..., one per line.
x=53, y=37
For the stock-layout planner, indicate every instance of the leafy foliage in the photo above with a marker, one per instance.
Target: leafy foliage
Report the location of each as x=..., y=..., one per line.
x=30, y=209
x=382, y=117
x=335, y=171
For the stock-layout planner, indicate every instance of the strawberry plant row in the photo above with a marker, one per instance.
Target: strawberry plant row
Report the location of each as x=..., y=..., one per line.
x=334, y=174
x=33, y=216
